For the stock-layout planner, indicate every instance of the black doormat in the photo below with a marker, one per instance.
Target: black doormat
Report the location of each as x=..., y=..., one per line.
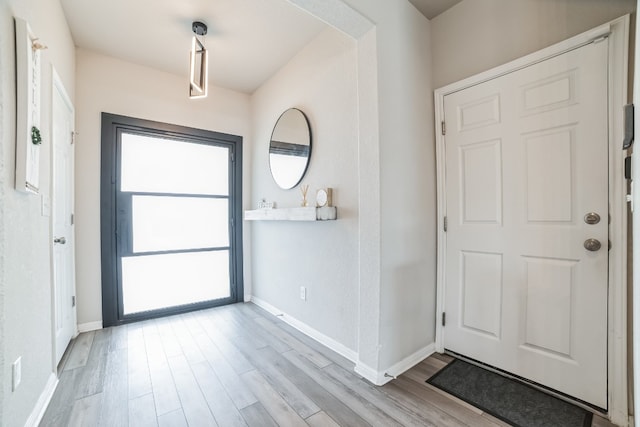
x=509, y=400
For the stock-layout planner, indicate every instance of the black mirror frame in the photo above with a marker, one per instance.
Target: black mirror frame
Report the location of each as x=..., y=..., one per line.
x=304, y=172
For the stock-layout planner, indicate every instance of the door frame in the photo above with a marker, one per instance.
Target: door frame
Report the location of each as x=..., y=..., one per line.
x=58, y=86
x=111, y=125
x=617, y=35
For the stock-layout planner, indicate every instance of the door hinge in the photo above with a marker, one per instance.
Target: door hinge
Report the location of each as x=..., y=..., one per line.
x=72, y=219
x=233, y=223
x=444, y=318
x=443, y=127
x=446, y=224
x=233, y=156
x=73, y=137
x=73, y=301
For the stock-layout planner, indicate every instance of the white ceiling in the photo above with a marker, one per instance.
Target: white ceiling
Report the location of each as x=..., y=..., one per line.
x=248, y=40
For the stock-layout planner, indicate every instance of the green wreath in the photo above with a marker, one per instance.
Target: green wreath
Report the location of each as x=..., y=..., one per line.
x=36, y=138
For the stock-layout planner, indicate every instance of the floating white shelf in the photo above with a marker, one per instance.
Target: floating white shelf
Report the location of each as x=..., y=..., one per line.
x=326, y=213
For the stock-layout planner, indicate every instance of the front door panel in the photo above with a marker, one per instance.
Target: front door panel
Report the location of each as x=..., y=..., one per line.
x=526, y=161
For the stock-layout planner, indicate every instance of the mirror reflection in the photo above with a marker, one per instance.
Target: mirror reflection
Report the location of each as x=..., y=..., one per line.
x=290, y=148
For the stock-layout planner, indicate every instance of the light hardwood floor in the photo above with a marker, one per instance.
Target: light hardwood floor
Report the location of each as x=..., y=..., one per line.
x=237, y=366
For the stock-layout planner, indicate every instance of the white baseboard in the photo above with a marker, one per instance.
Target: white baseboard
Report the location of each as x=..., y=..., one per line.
x=412, y=360
x=43, y=401
x=370, y=374
x=383, y=377
x=308, y=330
x=89, y=326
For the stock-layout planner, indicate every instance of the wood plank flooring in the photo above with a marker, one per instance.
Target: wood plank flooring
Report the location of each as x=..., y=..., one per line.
x=238, y=366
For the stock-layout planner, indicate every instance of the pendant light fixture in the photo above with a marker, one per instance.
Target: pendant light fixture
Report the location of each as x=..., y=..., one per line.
x=199, y=63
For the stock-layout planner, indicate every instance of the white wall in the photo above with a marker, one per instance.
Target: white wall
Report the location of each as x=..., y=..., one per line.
x=106, y=84
x=323, y=256
x=476, y=35
x=396, y=175
x=408, y=191
x=403, y=313
x=25, y=240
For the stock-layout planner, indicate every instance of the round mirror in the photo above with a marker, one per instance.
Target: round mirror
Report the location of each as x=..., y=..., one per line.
x=290, y=148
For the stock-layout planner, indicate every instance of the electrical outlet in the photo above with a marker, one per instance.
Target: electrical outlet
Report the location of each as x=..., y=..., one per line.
x=303, y=293
x=16, y=370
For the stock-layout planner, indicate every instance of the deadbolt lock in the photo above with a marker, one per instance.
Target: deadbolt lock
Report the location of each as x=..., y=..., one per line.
x=592, y=218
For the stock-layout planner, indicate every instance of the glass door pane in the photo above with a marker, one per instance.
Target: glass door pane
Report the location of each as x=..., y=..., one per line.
x=164, y=223
x=158, y=165
x=152, y=282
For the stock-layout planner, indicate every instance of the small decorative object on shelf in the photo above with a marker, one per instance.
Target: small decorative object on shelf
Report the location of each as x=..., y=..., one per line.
x=324, y=197
x=304, y=188
x=326, y=213
x=263, y=204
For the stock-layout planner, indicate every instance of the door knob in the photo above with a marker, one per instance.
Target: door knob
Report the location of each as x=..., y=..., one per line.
x=592, y=245
x=60, y=240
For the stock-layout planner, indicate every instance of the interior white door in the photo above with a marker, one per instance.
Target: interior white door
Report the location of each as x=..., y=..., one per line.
x=62, y=210
x=526, y=175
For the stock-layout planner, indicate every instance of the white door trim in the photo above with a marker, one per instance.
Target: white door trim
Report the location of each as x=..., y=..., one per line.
x=618, y=39
x=635, y=168
x=58, y=87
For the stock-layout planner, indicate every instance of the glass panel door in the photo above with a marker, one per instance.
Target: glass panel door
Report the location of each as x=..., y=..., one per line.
x=173, y=223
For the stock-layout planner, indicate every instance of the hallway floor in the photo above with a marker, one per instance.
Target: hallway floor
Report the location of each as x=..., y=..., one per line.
x=238, y=366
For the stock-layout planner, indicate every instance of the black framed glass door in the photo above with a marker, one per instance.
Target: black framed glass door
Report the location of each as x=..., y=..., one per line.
x=172, y=198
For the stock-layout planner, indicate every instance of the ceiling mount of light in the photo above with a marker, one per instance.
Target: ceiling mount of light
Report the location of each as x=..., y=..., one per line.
x=199, y=62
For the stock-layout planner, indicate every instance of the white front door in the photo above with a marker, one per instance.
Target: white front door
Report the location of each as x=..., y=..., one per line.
x=62, y=201
x=526, y=180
